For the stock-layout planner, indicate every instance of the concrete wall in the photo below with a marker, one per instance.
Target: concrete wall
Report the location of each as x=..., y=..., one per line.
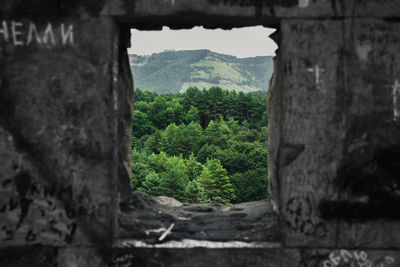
x=65, y=124
x=58, y=131
x=339, y=133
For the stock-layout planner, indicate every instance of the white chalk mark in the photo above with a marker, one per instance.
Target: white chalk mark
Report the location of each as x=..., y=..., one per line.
x=33, y=32
x=363, y=51
x=49, y=34
x=20, y=34
x=191, y=243
x=304, y=3
x=183, y=219
x=396, y=93
x=159, y=230
x=317, y=70
x=346, y=255
x=4, y=30
x=171, y=1
x=67, y=35
x=328, y=263
x=389, y=259
x=167, y=232
x=334, y=259
x=15, y=33
x=353, y=258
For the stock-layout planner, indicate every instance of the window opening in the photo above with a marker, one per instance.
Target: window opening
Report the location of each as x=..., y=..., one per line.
x=199, y=140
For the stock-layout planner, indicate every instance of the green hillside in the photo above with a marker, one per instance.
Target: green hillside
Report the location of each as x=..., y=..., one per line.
x=175, y=71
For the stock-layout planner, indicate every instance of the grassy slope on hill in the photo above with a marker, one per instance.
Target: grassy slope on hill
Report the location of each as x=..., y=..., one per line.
x=175, y=71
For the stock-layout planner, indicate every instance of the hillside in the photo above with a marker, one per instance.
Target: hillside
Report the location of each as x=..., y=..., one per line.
x=175, y=71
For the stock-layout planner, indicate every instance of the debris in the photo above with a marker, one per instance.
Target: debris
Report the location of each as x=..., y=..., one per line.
x=167, y=232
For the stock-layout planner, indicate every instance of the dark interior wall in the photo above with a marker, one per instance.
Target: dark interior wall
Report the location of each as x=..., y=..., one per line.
x=125, y=116
x=274, y=102
x=368, y=173
x=311, y=132
x=65, y=118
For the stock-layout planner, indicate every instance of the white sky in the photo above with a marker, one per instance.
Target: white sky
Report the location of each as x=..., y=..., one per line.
x=239, y=42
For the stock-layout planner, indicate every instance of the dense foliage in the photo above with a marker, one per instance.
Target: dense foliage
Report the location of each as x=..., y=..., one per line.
x=201, y=146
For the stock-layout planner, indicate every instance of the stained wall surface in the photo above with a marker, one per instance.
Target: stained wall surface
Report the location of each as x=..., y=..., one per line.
x=57, y=131
x=65, y=115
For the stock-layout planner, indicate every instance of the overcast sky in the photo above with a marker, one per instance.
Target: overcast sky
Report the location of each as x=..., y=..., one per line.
x=239, y=42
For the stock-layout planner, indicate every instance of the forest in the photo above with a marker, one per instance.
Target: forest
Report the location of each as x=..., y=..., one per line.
x=201, y=146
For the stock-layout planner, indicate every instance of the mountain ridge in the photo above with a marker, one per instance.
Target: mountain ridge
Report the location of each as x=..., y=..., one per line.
x=175, y=71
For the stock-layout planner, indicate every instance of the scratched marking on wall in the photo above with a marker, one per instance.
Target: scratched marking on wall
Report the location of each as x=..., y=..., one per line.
x=317, y=70
x=357, y=259
x=304, y=3
x=28, y=33
x=301, y=217
x=35, y=214
x=396, y=104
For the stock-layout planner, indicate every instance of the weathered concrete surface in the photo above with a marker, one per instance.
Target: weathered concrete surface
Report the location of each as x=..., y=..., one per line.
x=35, y=256
x=311, y=137
x=58, y=133
x=339, y=159
x=369, y=174
x=153, y=14
x=125, y=118
x=337, y=181
x=340, y=257
x=64, y=133
x=197, y=257
x=82, y=256
x=274, y=103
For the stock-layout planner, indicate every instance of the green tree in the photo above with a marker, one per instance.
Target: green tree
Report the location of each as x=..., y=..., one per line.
x=144, y=96
x=153, y=142
x=142, y=124
x=232, y=160
x=172, y=140
x=158, y=112
x=207, y=152
x=191, y=97
x=194, y=193
x=215, y=100
x=192, y=138
x=140, y=168
x=192, y=115
x=217, y=133
x=142, y=106
x=178, y=112
x=215, y=182
x=151, y=184
x=193, y=168
x=174, y=179
x=251, y=185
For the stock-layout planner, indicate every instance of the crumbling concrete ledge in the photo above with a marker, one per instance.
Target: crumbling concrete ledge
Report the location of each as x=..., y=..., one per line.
x=153, y=221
